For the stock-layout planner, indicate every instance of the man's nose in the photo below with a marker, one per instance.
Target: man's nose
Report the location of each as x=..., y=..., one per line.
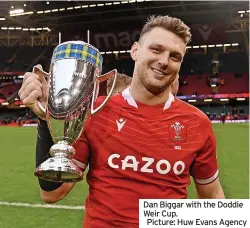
x=163, y=60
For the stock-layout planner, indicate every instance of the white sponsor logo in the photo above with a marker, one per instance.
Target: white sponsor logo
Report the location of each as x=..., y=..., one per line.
x=80, y=74
x=120, y=123
x=149, y=164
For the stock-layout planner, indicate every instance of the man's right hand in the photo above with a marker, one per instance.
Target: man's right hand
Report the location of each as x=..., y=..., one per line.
x=33, y=90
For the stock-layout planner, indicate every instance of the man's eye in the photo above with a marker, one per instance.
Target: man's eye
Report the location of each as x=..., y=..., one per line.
x=176, y=58
x=156, y=49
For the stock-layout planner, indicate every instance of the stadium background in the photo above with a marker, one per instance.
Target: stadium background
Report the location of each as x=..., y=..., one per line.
x=214, y=77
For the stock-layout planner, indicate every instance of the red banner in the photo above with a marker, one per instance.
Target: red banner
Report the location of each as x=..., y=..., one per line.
x=109, y=41
x=14, y=73
x=123, y=40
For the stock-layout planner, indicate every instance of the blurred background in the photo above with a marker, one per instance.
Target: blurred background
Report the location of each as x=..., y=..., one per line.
x=214, y=77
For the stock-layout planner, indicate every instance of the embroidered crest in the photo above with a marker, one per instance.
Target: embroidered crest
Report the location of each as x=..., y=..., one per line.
x=177, y=131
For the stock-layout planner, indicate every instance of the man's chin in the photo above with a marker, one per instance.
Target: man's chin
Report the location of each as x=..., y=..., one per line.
x=156, y=89
x=158, y=77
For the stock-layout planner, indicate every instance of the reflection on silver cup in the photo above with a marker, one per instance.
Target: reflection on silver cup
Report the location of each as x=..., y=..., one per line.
x=73, y=85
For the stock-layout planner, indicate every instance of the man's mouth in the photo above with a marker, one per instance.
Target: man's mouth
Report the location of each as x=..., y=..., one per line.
x=159, y=72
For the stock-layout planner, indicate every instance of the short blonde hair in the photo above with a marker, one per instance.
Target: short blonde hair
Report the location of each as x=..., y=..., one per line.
x=122, y=82
x=171, y=24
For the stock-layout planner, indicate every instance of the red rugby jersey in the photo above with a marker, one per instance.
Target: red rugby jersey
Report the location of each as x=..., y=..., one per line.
x=136, y=151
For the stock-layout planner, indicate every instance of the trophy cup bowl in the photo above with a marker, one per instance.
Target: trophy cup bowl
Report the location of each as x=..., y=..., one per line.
x=73, y=86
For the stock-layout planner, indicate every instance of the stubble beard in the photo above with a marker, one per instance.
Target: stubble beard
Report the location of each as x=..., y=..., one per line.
x=149, y=84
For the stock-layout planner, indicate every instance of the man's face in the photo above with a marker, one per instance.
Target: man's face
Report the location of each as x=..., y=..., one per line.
x=158, y=58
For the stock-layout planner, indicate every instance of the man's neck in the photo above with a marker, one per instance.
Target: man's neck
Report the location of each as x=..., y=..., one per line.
x=142, y=95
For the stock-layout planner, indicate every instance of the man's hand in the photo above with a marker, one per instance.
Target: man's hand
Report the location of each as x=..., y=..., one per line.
x=34, y=88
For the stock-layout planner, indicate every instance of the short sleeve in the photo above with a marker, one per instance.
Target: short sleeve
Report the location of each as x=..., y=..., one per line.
x=205, y=167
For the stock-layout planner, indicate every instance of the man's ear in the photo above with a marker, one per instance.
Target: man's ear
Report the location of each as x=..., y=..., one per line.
x=134, y=50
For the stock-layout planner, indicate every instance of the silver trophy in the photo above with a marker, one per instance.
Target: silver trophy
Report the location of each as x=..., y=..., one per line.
x=73, y=87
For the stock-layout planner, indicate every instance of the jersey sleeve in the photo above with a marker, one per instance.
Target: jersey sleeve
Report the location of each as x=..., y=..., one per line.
x=205, y=167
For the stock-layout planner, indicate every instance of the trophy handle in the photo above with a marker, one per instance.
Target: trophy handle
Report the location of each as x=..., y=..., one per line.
x=102, y=78
x=41, y=73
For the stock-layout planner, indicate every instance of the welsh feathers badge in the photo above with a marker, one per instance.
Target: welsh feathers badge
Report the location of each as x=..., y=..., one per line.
x=177, y=131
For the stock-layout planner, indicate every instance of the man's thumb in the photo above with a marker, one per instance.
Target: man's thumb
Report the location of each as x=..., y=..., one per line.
x=39, y=66
x=38, y=110
x=38, y=69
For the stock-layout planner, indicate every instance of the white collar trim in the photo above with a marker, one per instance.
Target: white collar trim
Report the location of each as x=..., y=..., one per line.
x=127, y=96
x=169, y=101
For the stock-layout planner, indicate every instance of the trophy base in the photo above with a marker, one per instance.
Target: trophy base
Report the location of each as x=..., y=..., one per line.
x=59, y=169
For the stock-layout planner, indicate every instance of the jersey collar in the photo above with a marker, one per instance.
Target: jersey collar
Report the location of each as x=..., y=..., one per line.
x=127, y=96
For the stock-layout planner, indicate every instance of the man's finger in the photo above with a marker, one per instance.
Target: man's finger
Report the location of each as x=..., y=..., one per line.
x=28, y=81
x=34, y=76
x=28, y=75
x=29, y=89
x=32, y=84
x=31, y=98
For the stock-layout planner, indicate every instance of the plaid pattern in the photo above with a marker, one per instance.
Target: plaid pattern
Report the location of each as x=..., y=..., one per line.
x=78, y=51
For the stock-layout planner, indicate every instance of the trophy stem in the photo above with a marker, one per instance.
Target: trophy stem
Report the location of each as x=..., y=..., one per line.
x=60, y=167
x=62, y=149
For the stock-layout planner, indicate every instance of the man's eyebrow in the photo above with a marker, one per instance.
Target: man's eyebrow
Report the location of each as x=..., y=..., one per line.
x=172, y=52
x=156, y=44
x=162, y=46
x=176, y=53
